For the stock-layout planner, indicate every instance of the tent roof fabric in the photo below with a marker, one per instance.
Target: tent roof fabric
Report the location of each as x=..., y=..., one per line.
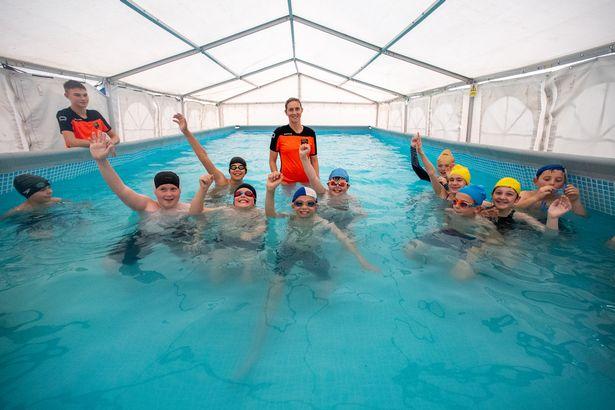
x=342, y=51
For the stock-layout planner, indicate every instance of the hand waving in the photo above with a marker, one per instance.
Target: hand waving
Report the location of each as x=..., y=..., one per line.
x=101, y=146
x=180, y=120
x=559, y=207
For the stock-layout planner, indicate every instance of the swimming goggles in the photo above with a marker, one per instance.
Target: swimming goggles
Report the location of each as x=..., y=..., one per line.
x=309, y=204
x=461, y=204
x=340, y=183
x=239, y=167
x=247, y=193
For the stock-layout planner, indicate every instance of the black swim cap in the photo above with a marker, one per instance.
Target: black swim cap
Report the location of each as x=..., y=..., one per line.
x=250, y=187
x=166, y=177
x=237, y=160
x=28, y=184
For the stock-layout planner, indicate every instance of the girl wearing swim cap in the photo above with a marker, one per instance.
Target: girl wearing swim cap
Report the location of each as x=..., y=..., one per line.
x=551, y=182
x=444, y=163
x=456, y=178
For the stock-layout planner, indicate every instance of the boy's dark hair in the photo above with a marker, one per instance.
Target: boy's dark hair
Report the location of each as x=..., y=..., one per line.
x=70, y=84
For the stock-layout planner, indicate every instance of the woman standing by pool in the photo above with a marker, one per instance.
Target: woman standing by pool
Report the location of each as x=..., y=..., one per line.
x=286, y=141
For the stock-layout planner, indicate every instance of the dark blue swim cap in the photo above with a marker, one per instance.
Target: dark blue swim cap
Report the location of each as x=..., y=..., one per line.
x=28, y=184
x=550, y=167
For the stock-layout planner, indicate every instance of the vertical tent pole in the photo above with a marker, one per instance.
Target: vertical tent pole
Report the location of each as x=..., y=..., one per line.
x=220, y=116
x=470, y=113
x=405, y=119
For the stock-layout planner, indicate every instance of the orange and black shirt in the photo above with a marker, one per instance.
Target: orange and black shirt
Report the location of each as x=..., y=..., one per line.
x=69, y=120
x=286, y=142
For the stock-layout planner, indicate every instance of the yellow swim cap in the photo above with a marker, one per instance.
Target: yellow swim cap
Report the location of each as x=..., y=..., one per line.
x=446, y=157
x=509, y=183
x=462, y=171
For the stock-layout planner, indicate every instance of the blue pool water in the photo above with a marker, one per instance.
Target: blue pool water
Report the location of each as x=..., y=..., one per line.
x=181, y=326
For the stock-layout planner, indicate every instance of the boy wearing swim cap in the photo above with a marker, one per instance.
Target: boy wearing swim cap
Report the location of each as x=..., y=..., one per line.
x=306, y=230
x=237, y=165
x=167, y=190
x=506, y=195
x=550, y=179
x=337, y=205
x=37, y=191
x=242, y=217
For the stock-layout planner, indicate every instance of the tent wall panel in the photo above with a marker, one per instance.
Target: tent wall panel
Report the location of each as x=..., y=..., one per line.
x=445, y=119
x=339, y=114
x=166, y=107
x=135, y=112
x=582, y=115
x=210, y=117
x=510, y=113
x=383, y=116
x=12, y=134
x=396, y=116
x=318, y=113
x=418, y=115
x=194, y=114
x=234, y=114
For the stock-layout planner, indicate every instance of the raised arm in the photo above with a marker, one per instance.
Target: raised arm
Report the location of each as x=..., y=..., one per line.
x=273, y=181
x=314, y=162
x=200, y=152
x=528, y=198
x=414, y=161
x=304, y=151
x=100, y=148
x=431, y=170
x=196, y=205
x=349, y=244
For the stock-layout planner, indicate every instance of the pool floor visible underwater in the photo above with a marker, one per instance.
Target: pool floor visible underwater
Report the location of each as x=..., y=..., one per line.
x=96, y=314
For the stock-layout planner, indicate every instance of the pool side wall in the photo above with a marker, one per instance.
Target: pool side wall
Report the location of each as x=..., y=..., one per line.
x=595, y=177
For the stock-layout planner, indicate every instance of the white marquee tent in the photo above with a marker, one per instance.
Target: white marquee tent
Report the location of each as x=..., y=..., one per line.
x=449, y=69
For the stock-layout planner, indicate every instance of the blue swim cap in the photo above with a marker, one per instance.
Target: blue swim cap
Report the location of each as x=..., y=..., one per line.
x=339, y=173
x=305, y=191
x=476, y=192
x=550, y=167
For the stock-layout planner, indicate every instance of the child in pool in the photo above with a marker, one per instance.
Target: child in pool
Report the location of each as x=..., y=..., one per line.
x=445, y=162
x=464, y=235
x=506, y=196
x=305, y=231
x=336, y=205
x=458, y=176
x=37, y=191
x=239, y=230
x=549, y=180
